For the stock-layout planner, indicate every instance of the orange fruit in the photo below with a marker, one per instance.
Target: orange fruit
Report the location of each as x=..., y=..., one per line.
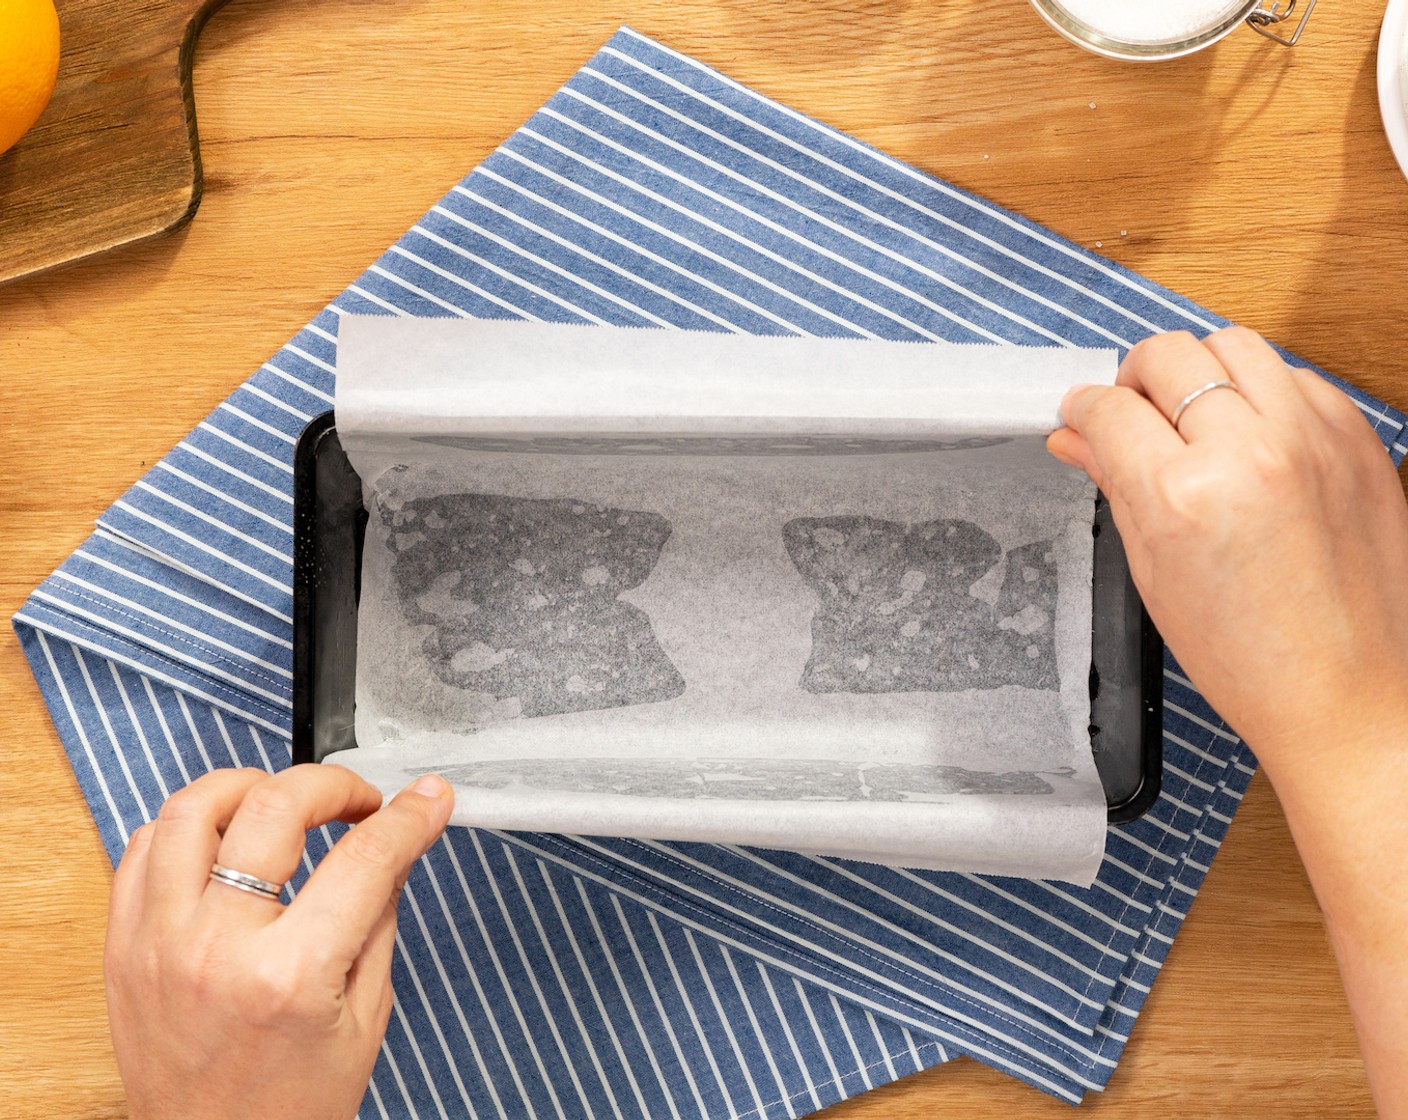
x=29, y=63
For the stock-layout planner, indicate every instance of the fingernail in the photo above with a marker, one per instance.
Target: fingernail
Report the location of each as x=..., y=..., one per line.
x=432, y=785
x=1074, y=389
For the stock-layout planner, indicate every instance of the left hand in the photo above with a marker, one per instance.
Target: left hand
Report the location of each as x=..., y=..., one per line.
x=224, y=1004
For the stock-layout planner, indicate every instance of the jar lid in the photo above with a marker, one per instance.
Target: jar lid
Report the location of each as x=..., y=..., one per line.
x=1141, y=30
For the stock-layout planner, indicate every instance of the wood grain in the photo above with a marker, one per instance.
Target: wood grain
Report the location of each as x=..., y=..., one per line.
x=113, y=159
x=1254, y=179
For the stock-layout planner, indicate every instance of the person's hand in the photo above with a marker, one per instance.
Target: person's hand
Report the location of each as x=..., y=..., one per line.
x=226, y=1004
x=1267, y=535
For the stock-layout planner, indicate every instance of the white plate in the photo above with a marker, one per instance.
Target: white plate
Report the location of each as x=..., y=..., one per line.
x=1393, y=79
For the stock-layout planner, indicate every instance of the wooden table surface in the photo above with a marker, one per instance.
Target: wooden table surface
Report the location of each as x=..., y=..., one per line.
x=1252, y=178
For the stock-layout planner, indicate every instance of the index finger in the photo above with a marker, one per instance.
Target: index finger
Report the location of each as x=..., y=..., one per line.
x=268, y=832
x=352, y=887
x=1117, y=436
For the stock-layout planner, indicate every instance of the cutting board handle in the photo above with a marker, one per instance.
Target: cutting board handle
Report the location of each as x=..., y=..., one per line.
x=115, y=157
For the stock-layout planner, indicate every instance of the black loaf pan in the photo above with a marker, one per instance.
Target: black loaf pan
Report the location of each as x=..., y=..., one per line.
x=1126, y=674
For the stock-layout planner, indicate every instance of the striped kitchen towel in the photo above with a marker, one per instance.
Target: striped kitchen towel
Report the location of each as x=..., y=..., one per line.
x=573, y=976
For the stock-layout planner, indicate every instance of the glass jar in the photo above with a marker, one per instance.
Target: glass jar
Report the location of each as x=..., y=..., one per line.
x=1163, y=35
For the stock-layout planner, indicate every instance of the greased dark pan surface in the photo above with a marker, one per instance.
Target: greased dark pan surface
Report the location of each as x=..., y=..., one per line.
x=1126, y=676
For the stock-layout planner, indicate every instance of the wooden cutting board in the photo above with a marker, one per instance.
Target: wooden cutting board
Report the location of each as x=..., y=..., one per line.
x=114, y=158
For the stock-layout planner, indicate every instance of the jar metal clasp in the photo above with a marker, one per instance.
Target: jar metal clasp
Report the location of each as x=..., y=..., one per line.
x=1262, y=20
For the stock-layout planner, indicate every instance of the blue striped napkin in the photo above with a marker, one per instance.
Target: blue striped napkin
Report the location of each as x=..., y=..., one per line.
x=570, y=976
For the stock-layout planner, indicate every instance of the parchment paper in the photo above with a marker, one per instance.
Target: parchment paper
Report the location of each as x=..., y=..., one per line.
x=830, y=596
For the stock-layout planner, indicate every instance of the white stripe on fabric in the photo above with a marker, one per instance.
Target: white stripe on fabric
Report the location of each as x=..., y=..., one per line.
x=372, y=1086
x=862, y=1068
x=1207, y=787
x=880, y=1042
x=659, y=1007
x=1220, y=732
x=585, y=969
x=541, y=262
x=298, y=413
x=732, y=968
x=1068, y=898
x=876, y=949
x=141, y=803
x=789, y=325
x=818, y=216
x=578, y=250
x=894, y=165
x=284, y=556
x=244, y=507
x=189, y=717
x=1111, y=861
x=1129, y=838
x=686, y=1000
x=222, y=617
x=1017, y=931
x=709, y=987
x=844, y=321
x=934, y=919
x=505, y=1053
x=255, y=422
x=142, y=739
x=226, y=468
x=195, y=542
x=602, y=231
x=624, y=991
x=395, y=1068
x=404, y=284
x=810, y=1011
x=359, y=290
x=122, y=540
x=106, y=623
x=398, y=1009
x=451, y=1058
x=77, y=724
x=497, y=962
x=84, y=642
x=1206, y=756
x=746, y=243
x=220, y=433
x=506, y=914
x=866, y=980
x=512, y=856
x=787, y=1033
x=517, y=308
x=298, y=382
x=326, y=367
x=238, y=656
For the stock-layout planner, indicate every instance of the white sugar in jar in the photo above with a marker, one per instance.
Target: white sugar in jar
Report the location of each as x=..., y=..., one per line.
x=1148, y=30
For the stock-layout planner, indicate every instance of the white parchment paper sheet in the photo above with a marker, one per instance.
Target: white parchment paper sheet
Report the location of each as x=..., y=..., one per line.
x=823, y=595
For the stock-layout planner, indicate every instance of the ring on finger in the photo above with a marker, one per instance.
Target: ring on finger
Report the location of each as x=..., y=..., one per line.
x=243, y=881
x=1194, y=395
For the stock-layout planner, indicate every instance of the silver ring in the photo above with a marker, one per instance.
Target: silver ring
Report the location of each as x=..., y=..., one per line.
x=243, y=882
x=1194, y=395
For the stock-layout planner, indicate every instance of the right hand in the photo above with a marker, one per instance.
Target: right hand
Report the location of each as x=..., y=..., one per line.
x=1268, y=537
